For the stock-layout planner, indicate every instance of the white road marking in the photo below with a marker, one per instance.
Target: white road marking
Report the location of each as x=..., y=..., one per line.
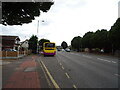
x=74, y=86
x=62, y=67
x=103, y=59
x=60, y=64
x=114, y=62
x=100, y=59
x=67, y=75
x=86, y=56
x=117, y=75
x=106, y=60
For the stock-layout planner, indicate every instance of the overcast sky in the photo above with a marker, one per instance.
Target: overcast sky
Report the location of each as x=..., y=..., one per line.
x=67, y=19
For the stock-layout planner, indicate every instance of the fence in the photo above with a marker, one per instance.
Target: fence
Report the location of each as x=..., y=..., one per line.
x=13, y=54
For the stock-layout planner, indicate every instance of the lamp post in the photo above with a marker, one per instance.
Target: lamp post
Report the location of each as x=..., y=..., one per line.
x=37, y=35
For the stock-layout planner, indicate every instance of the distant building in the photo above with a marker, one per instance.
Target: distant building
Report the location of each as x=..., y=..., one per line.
x=9, y=42
x=119, y=9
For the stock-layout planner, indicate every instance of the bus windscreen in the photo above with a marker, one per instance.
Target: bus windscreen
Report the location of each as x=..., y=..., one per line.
x=52, y=45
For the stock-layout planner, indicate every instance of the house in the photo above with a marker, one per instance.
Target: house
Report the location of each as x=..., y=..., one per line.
x=24, y=45
x=10, y=42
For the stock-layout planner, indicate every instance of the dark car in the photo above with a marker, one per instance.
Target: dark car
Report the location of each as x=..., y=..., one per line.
x=58, y=49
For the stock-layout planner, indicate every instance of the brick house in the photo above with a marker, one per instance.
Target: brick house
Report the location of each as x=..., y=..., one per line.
x=10, y=42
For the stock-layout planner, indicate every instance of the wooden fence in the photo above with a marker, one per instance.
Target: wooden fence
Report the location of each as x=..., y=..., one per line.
x=4, y=55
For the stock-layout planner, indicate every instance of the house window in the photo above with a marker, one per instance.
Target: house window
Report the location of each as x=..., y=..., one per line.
x=16, y=48
x=17, y=42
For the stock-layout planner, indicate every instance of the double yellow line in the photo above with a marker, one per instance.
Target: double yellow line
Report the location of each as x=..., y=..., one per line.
x=50, y=76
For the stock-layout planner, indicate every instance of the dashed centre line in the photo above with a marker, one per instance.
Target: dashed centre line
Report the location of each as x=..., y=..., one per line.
x=67, y=75
x=63, y=68
x=86, y=56
x=74, y=86
x=60, y=64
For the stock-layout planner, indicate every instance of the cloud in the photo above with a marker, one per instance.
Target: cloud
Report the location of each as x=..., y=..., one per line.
x=69, y=18
x=119, y=9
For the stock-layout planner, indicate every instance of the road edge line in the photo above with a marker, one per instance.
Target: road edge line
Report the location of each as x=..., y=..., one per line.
x=45, y=75
x=50, y=76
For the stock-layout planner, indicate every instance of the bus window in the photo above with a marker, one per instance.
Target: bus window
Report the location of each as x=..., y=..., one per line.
x=49, y=45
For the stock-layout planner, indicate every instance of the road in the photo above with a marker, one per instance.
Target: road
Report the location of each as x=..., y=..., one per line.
x=81, y=70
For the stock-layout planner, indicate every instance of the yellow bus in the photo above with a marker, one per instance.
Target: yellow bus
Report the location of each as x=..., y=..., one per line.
x=49, y=48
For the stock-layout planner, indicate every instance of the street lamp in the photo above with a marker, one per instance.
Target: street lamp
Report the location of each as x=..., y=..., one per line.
x=37, y=35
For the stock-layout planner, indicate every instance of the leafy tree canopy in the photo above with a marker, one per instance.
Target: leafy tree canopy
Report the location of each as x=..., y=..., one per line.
x=76, y=43
x=64, y=45
x=33, y=43
x=18, y=13
x=100, y=38
x=114, y=34
x=86, y=40
x=42, y=41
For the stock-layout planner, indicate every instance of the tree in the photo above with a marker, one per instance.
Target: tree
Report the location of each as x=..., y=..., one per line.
x=86, y=40
x=98, y=39
x=18, y=13
x=114, y=35
x=33, y=43
x=42, y=41
x=76, y=43
x=64, y=45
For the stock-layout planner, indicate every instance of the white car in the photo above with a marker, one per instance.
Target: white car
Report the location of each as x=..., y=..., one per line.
x=67, y=50
x=62, y=50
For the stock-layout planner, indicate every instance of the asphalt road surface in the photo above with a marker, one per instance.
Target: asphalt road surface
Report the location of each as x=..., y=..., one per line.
x=81, y=70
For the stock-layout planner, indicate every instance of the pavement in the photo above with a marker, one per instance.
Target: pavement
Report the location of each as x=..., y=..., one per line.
x=23, y=73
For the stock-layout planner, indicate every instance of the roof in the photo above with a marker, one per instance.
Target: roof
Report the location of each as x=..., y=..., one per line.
x=24, y=41
x=5, y=37
x=8, y=40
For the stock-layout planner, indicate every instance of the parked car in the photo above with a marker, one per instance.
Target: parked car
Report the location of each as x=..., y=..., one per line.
x=67, y=50
x=58, y=49
x=63, y=50
x=9, y=50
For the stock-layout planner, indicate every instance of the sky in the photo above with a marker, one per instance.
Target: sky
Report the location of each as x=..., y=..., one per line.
x=67, y=19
